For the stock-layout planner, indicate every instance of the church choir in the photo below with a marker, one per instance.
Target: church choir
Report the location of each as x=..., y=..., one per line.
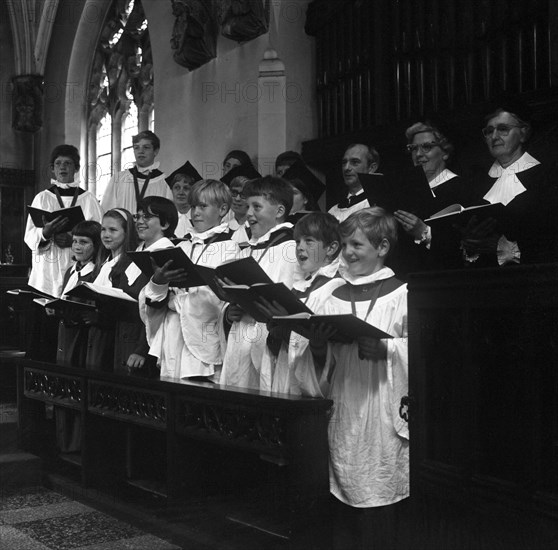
x=352, y=260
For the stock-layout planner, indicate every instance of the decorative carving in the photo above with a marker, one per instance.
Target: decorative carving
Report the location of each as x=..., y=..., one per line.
x=123, y=62
x=194, y=36
x=27, y=103
x=243, y=20
x=255, y=428
x=143, y=405
x=52, y=387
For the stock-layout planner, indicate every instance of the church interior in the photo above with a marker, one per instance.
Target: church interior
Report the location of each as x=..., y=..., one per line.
x=180, y=465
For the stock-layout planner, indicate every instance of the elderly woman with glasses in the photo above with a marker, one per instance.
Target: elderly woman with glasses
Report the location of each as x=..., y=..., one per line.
x=430, y=149
x=525, y=233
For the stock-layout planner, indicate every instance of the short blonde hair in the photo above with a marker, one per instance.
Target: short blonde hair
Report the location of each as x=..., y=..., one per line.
x=211, y=191
x=376, y=223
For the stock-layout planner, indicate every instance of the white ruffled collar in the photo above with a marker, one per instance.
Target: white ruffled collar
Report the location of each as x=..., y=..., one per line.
x=70, y=185
x=442, y=177
x=269, y=235
x=147, y=169
x=507, y=185
x=329, y=271
x=208, y=233
x=384, y=273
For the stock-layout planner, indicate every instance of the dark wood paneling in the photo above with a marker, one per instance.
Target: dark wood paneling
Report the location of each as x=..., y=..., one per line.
x=484, y=423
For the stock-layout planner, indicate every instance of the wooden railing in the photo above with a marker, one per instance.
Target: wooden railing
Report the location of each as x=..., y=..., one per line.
x=184, y=426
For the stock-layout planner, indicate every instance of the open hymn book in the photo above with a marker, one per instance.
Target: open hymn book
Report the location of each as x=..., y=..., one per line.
x=89, y=296
x=461, y=215
x=349, y=327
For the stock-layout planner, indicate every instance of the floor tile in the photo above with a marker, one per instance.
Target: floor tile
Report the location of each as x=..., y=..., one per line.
x=64, y=533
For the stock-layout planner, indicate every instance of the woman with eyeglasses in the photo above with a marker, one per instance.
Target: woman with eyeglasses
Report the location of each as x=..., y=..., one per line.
x=430, y=149
x=525, y=233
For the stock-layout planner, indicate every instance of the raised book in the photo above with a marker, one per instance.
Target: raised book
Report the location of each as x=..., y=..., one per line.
x=244, y=271
x=349, y=327
x=248, y=297
x=179, y=260
x=74, y=215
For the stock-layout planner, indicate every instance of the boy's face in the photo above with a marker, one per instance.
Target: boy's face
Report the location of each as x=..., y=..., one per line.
x=206, y=215
x=64, y=169
x=149, y=227
x=361, y=256
x=145, y=153
x=311, y=254
x=263, y=215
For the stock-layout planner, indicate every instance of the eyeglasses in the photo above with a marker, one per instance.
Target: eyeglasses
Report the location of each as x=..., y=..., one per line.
x=236, y=194
x=424, y=147
x=501, y=129
x=145, y=217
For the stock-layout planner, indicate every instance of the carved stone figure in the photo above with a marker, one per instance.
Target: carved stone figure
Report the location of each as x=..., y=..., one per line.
x=243, y=20
x=27, y=103
x=194, y=36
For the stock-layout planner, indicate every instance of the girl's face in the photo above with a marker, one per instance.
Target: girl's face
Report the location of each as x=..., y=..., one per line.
x=149, y=227
x=113, y=235
x=82, y=248
x=312, y=253
x=299, y=200
x=361, y=256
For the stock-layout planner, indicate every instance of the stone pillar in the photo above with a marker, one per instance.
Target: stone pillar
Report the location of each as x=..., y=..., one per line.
x=272, y=111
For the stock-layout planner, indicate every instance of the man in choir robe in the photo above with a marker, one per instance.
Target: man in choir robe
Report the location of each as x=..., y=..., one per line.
x=358, y=159
x=127, y=188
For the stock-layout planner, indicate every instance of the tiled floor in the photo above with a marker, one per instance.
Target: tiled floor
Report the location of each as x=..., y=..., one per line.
x=39, y=519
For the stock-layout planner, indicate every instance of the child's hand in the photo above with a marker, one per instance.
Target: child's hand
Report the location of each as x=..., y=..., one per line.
x=234, y=313
x=371, y=348
x=164, y=275
x=135, y=361
x=319, y=334
x=270, y=309
x=55, y=226
x=223, y=293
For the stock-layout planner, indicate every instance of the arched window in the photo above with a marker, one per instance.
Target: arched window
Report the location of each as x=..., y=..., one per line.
x=104, y=154
x=120, y=92
x=129, y=130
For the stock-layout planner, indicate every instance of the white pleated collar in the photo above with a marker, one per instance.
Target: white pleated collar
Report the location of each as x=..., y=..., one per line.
x=508, y=185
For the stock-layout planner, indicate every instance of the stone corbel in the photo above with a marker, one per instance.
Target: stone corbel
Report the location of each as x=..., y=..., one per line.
x=27, y=102
x=194, y=35
x=243, y=20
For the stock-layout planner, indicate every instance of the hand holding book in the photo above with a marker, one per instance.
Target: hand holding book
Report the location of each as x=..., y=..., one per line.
x=164, y=274
x=371, y=348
